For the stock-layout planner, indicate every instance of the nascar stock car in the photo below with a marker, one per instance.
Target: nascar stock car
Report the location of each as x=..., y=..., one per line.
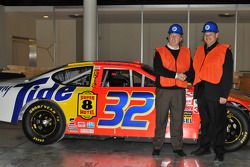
x=104, y=99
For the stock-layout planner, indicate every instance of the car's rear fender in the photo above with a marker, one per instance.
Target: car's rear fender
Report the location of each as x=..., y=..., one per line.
x=239, y=99
x=242, y=106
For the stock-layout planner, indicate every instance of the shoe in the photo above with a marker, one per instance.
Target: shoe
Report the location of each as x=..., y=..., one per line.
x=156, y=152
x=201, y=151
x=181, y=153
x=219, y=157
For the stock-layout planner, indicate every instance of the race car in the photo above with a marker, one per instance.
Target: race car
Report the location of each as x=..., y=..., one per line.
x=104, y=99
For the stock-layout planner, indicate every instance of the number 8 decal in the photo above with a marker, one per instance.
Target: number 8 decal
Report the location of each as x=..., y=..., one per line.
x=87, y=104
x=125, y=116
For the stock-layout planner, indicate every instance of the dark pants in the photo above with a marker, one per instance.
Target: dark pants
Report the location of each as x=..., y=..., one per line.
x=173, y=101
x=213, y=124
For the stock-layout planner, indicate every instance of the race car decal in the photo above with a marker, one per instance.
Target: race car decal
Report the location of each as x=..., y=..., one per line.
x=87, y=131
x=124, y=114
x=187, y=117
x=87, y=105
x=4, y=90
x=30, y=91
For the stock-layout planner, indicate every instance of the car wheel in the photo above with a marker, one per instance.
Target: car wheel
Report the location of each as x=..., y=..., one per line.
x=44, y=122
x=237, y=132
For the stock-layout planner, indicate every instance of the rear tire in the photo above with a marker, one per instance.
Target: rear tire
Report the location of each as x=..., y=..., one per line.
x=44, y=122
x=237, y=132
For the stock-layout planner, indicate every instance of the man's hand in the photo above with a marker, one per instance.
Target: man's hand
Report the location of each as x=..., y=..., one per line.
x=223, y=100
x=181, y=76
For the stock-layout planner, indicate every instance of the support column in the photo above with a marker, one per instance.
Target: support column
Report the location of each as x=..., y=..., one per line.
x=90, y=30
x=5, y=59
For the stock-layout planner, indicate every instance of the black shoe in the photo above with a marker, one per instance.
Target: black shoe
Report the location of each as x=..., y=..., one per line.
x=181, y=153
x=201, y=151
x=156, y=152
x=219, y=157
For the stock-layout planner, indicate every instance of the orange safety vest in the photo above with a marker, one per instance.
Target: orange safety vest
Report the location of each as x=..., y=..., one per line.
x=210, y=67
x=181, y=65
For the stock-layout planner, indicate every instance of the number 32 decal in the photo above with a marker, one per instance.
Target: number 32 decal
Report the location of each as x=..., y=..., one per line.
x=124, y=114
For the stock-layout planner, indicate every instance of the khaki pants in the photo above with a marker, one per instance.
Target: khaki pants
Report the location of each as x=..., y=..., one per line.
x=172, y=100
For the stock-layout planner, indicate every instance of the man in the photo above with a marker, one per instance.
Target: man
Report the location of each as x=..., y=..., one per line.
x=213, y=65
x=173, y=69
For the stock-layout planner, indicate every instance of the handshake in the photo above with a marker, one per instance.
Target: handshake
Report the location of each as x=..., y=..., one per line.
x=180, y=76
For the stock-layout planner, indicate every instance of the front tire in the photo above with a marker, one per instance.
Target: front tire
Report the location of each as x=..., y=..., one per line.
x=237, y=131
x=44, y=122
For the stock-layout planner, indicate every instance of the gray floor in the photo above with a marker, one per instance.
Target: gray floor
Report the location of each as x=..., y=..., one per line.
x=17, y=151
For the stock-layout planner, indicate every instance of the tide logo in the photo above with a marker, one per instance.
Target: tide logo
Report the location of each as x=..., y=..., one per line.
x=30, y=91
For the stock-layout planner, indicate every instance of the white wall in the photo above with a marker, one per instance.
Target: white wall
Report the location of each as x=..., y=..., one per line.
x=19, y=25
x=45, y=43
x=119, y=42
x=65, y=43
x=243, y=47
x=25, y=26
x=122, y=41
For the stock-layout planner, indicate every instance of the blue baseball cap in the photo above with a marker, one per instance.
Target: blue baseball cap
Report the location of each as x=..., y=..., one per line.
x=175, y=28
x=210, y=27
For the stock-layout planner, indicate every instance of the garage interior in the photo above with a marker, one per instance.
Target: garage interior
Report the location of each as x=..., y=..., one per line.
x=50, y=36
x=37, y=37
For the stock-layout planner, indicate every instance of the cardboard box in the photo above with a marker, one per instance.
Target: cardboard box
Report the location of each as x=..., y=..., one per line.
x=245, y=83
x=26, y=70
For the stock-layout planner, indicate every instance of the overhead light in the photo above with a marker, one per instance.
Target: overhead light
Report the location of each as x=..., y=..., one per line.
x=76, y=15
x=45, y=16
x=226, y=15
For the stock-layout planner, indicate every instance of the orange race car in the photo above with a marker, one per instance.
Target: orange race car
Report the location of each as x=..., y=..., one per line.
x=106, y=99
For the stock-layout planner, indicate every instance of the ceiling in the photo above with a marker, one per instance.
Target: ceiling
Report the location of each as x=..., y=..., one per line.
x=115, y=2
x=132, y=14
x=68, y=9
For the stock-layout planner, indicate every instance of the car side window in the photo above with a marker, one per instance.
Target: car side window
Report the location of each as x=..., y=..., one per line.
x=137, y=79
x=115, y=78
x=140, y=80
x=80, y=76
x=149, y=82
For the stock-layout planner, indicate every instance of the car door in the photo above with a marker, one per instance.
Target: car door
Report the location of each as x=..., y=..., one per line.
x=80, y=109
x=126, y=102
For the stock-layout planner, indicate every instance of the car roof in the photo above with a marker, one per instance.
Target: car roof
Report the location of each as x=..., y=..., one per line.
x=121, y=63
x=135, y=64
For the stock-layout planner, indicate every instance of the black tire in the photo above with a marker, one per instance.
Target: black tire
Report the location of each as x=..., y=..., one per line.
x=237, y=132
x=44, y=122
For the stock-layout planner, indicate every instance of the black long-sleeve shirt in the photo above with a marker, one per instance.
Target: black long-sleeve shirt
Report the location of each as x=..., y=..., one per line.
x=162, y=71
x=222, y=89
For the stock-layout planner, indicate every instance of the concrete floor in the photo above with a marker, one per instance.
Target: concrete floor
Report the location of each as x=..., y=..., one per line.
x=17, y=151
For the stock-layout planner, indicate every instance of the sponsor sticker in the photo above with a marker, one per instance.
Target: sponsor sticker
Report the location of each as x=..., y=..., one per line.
x=187, y=117
x=189, y=101
x=73, y=129
x=188, y=108
x=195, y=107
x=72, y=122
x=87, y=131
x=87, y=105
x=91, y=125
x=81, y=124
